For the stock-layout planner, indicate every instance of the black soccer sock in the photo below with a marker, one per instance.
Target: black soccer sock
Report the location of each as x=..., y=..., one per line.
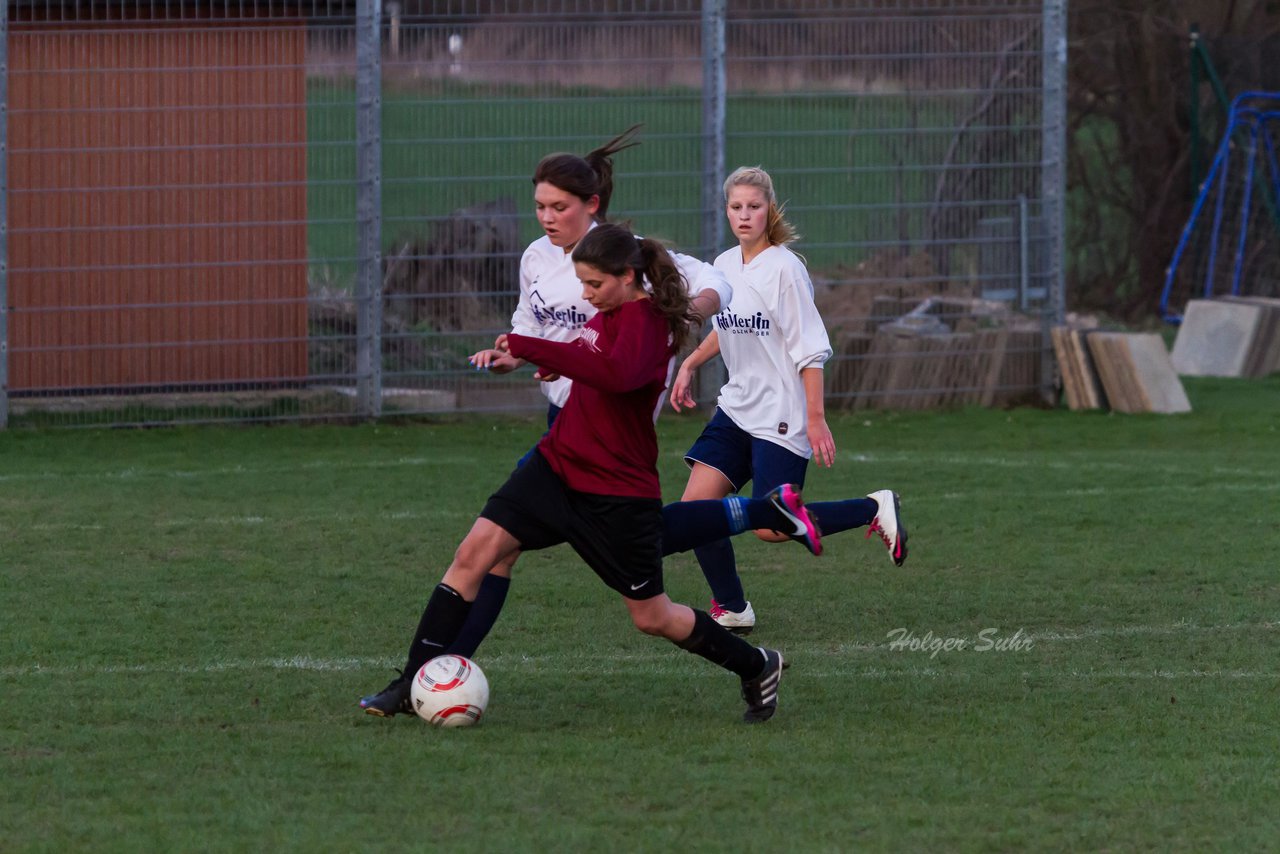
x=720, y=646
x=484, y=613
x=441, y=621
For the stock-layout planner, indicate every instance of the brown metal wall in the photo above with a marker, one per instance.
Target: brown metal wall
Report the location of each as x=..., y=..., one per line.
x=157, y=205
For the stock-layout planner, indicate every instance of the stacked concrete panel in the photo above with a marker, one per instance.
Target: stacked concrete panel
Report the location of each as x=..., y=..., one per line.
x=1123, y=371
x=1264, y=354
x=1137, y=373
x=1229, y=337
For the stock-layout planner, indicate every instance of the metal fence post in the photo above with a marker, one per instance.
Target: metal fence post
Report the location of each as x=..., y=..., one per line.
x=712, y=375
x=713, y=109
x=1024, y=253
x=1053, y=180
x=369, y=207
x=4, y=215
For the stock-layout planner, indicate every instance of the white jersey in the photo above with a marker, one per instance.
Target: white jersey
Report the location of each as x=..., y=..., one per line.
x=769, y=332
x=551, y=304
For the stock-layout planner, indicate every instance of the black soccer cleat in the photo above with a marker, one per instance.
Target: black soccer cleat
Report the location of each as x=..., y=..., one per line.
x=761, y=693
x=390, y=701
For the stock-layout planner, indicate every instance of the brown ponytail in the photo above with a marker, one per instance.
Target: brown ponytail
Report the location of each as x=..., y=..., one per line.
x=670, y=292
x=587, y=176
x=613, y=249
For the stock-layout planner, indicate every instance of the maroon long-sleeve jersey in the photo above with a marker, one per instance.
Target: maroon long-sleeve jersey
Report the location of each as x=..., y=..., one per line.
x=603, y=442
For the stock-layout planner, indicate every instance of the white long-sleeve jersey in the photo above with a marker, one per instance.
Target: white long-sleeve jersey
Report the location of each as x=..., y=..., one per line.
x=551, y=304
x=770, y=331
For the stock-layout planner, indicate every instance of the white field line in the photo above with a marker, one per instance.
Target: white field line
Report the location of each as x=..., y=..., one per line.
x=1132, y=463
x=263, y=521
x=1092, y=491
x=603, y=664
x=1171, y=629
x=469, y=512
x=616, y=664
x=1068, y=635
x=240, y=471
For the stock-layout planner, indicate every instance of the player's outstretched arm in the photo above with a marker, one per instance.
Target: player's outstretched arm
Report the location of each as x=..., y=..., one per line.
x=626, y=365
x=706, y=351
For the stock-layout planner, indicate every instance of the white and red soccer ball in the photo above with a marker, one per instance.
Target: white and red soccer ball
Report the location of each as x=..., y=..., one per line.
x=450, y=690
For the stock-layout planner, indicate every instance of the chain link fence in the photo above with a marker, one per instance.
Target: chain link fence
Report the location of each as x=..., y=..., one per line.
x=262, y=210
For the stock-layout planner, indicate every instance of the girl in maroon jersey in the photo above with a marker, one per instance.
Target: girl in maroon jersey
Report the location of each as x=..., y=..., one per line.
x=571, y=195
x=593, y=481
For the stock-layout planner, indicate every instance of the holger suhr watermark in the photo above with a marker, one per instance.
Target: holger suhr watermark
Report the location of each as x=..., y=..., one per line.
x=987, y=640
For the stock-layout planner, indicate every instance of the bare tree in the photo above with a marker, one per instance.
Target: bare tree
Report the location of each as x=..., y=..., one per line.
x=1129, y=126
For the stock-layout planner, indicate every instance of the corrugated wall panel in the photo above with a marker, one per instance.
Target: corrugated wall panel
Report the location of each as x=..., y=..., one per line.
x=157, y=205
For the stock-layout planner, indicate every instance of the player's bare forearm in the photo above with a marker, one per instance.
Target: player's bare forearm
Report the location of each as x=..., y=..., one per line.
x=681, y=394
x=705, y=352
x=820, y=438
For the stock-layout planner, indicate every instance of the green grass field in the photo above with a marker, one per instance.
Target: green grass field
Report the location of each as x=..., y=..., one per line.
x=190, y=614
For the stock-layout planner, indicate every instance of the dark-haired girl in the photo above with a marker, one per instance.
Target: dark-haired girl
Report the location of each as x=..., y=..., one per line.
x=571, y=195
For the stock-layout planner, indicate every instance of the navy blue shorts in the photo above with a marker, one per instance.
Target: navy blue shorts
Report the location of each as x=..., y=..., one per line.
x=740, y=457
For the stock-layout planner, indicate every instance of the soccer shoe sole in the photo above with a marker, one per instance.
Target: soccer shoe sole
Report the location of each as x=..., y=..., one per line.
x=787, y=500
x=901, y=557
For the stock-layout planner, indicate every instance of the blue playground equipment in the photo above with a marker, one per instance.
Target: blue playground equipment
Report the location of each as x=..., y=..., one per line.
x=1239, y=244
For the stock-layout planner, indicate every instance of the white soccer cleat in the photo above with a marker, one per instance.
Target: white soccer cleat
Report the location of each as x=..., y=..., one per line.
x=738, y=622
x=888, y=525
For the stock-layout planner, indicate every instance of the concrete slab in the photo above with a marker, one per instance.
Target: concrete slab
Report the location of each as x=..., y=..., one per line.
x=1264, y=354
x=1137, y=373
x=1161, y=389
x=1216, y=338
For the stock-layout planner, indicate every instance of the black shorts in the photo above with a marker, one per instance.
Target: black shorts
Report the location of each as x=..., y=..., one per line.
x=620, y=538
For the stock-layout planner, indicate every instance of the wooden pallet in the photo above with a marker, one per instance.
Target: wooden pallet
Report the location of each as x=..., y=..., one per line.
x=1079, y=377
